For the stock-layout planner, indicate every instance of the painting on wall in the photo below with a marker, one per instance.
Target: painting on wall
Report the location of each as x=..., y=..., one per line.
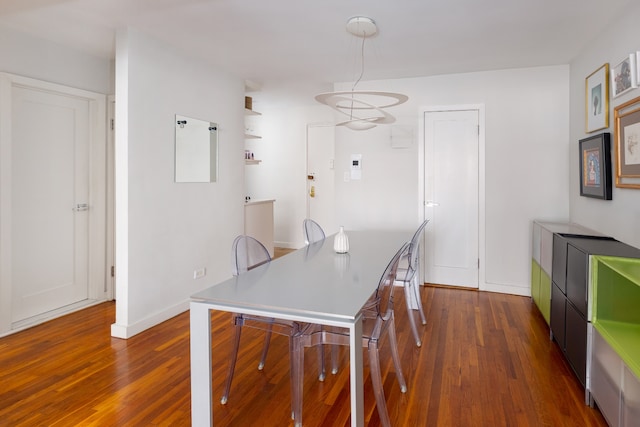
x=623, y=76
x=627, y=144
x=595, y=166
x=597, y=99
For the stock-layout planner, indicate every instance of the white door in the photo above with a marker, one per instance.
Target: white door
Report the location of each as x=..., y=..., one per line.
x=320, y=176
x=451, y=179
x=50, y=201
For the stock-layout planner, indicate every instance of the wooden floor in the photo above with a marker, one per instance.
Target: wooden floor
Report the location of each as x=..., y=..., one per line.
x=486, y=361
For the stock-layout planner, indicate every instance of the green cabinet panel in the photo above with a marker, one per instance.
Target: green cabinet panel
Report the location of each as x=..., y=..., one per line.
x=535, y=282
x=545, y=296
x=615, y=310
x=541, y=290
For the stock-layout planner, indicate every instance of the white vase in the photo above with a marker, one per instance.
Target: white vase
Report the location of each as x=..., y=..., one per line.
x=341, y=242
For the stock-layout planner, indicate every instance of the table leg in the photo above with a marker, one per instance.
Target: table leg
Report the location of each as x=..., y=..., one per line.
x=201, y=393
x=357, y=389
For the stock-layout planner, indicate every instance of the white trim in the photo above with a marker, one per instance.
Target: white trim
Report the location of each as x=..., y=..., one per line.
x=480, y=108
x=127, y=331
x=524, y=291
x=5, y=203
x=110, y=218
x=45, y=317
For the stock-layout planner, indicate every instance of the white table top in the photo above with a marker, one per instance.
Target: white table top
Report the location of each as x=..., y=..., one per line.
x=313, y=282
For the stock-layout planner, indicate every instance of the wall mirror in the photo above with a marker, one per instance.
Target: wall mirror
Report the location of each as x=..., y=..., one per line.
x=196, y=150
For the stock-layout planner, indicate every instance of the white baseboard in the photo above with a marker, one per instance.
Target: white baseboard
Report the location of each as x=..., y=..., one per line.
x=127, y=331
x=50, y=315
x=506, y=289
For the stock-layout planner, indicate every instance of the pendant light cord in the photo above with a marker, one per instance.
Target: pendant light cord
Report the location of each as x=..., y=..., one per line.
x=353, y=88
x=361, y=63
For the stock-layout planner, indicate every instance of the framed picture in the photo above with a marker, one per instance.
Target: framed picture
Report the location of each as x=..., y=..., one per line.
x=627, y=144
x=595, y=166
x=623, y=76
x=597, y=99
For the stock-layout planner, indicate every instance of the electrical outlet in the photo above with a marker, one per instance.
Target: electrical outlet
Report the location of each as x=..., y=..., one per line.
x=201, y=272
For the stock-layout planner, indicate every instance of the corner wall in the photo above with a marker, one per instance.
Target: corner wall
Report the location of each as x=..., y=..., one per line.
x=619, y=216
x=165, y=230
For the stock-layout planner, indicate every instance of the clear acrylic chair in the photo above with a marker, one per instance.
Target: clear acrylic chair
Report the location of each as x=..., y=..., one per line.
x=312, y=231
x=377, y=320
x=248, y=253
x=409, y=276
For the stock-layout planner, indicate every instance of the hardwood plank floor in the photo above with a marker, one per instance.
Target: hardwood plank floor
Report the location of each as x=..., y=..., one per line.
x=486, y=361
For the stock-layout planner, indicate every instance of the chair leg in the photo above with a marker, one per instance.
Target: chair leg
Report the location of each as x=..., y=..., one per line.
x=412, y=321
x=321, y=363
x=232, y=362
x=321, y=370
x=265, y=348
x=297, y=378
x=416, y=290
x=393, y=342
x=334, y=358
x=376, y=379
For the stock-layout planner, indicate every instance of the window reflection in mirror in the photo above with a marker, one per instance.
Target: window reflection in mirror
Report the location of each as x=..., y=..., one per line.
x=196, y=150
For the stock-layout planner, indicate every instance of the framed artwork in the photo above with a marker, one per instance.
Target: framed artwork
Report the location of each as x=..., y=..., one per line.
x=597, y=99
x=595, y=166
x=627, y=144
x=623, y=76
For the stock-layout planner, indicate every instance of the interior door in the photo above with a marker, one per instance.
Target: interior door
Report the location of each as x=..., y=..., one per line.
x=451, y=197
x=49, y=202
x=320, y=176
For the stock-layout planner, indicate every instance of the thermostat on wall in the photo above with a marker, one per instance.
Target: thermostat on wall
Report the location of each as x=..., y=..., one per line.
x=356, y=166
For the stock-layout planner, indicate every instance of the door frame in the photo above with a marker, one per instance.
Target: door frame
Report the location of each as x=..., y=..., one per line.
x=480, y=108
x=329, y=226
x=110, y=258
x=97, y=288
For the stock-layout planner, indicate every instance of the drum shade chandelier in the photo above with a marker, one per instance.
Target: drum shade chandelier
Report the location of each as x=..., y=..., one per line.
x=364, y=108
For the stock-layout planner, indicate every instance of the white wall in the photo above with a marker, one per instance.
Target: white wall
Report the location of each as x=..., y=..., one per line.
x=28, y=56
x=166, y=230
x=618, y=217
x=527, y=140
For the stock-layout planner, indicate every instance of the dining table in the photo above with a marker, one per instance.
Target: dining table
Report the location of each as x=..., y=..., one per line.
x=314, y=284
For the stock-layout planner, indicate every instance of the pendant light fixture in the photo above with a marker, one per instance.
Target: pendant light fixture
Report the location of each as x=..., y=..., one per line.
x=365, y=109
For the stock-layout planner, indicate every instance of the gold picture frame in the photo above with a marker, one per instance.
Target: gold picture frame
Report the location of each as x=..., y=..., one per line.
x=627, y=143
x=597, y=99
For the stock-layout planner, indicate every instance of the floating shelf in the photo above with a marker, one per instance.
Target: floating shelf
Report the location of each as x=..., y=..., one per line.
x=248, y=112
x=249, y=136
x=252, y=162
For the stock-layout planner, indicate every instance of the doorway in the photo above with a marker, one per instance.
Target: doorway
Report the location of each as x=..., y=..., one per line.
x=453, y=192
x=52, y=210
x=320, y=175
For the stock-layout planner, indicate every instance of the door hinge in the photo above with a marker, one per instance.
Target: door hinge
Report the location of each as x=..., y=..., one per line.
x=478, y=264
x=113, y=271
x=113, y=125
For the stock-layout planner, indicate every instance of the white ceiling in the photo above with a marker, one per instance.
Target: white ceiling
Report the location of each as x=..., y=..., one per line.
x=304, y=40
